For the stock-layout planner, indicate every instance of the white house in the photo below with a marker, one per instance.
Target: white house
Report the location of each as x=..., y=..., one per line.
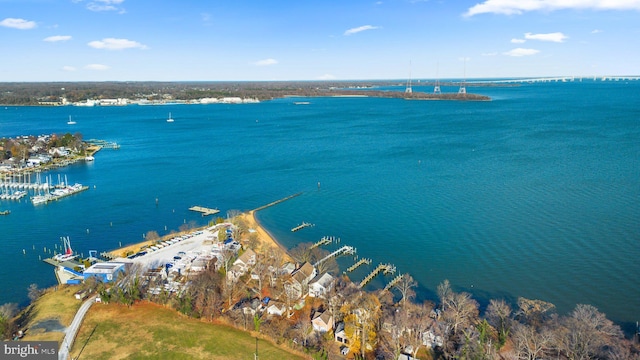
x=320, y=285
x=276, y=308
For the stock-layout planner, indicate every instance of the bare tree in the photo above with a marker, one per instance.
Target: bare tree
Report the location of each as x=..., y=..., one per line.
x=33, y=292
x=498, y=315
x=405, y=286
x=462, y=311
x=531, y=343
x=444, y=293
x=589, y=332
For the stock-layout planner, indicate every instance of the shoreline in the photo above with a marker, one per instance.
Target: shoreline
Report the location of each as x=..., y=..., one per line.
x=264, y=236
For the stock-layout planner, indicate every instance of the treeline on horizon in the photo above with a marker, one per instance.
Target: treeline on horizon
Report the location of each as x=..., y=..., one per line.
x=28, y=93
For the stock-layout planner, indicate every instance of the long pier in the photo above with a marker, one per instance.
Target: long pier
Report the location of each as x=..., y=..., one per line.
x=360, y=262
x=205, y=211
x=386, y=268
x=326, y=240
x=349, y=250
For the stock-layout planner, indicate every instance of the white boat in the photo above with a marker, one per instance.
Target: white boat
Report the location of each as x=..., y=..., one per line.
x=70, y=122
x=170, y=119
x=89, y=158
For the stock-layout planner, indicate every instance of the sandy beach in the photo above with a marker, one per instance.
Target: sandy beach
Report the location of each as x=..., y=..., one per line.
x=264, y=237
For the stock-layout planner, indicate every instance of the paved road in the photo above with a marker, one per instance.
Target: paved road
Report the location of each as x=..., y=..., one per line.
x=72, y=330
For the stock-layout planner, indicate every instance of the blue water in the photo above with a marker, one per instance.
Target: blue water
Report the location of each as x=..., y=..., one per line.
x=533, y=194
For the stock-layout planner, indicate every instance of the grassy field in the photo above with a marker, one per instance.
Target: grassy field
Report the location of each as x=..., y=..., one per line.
x=149, y=331
x=56, y=304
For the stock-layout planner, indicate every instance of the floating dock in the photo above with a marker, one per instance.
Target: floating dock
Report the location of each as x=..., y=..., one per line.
x=301, y=226
x=205, y=211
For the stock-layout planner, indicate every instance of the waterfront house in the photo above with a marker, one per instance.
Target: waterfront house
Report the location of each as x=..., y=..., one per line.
x=298, y=284
x=246, y=260
x=322, y=321
x=320, y=285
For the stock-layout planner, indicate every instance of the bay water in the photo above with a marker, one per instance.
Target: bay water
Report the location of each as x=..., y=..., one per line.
x=534, y=194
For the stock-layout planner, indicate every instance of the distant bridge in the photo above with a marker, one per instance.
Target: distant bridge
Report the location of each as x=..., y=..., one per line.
x=557, y=79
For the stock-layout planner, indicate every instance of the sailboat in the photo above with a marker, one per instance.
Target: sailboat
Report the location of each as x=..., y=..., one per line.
x=70, y=122
x=170, y=119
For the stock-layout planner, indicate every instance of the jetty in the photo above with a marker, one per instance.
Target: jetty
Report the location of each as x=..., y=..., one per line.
x=345, y=250
x=277, y=202
x=360, y=262
x=205, y=211
x=301, y=226
x=384, y=268
x=326, y=240
x=393, y=282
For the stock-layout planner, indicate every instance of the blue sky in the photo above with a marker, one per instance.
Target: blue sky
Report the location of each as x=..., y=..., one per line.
x=138, y=40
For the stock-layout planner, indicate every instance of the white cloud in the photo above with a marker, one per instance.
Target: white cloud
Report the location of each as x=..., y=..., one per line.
x=68, y=68
x=20, y=24
x=57, y=38
x=266, y=62
x=326, y=77
x=553, y=37
x=360, y=29
x=518, y=41
x=116, y=44
x=105, y=5
x=517, y=52
x=596, y=31
x=98, y=67
x=517, y=7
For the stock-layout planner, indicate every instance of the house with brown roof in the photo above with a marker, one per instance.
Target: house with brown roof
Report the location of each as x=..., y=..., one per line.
x=298, y=284
x=322, y=321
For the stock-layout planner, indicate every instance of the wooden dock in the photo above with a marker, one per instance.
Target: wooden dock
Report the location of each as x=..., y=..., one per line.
x=205, y=211
x=345, y=250
x=385, y=268
x=326, y=240
x=393, y=282
x=360, y=262
x=301, y=226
